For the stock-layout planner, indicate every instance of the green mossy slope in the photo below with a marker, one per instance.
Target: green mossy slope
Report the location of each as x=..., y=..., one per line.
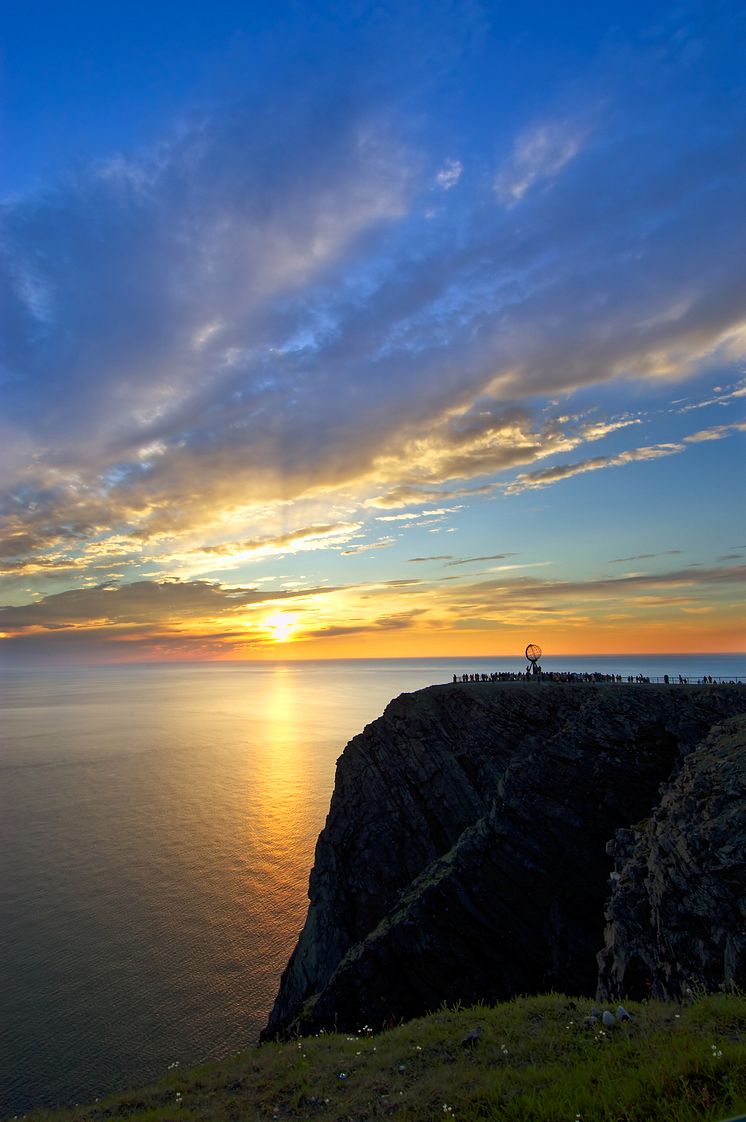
x=533, y=1061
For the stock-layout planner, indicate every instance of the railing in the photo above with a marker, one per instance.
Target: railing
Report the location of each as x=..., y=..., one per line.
x=600, y=679
x=703, y=680
x=663, y=680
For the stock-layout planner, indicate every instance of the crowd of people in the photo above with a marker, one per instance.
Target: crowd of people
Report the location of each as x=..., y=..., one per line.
x=536, y=674
x=550, y=676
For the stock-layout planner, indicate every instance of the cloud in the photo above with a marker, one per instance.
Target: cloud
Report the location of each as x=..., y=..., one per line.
x=303, y=535
x=485, y=438
x=598, y=430
x=437, y=557
x=717, y=432
x=538, y=153
x=489, y=557
x=449, y=174
x=527, y=588
x=643, y=556
x=147, y=381
x=522, y=565
x=406, y=496
x=254, y=312
x=533, y=480
x=384, y=543
x=148, y=604
x=723, y=395
x=651, y=599
x=402, y=621
x=419, y=517
x=323, y=536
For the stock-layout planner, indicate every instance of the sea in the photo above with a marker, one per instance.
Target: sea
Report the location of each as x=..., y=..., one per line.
x=157, y=828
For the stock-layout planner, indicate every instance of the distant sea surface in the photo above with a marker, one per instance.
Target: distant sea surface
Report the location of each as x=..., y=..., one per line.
x=157, y=828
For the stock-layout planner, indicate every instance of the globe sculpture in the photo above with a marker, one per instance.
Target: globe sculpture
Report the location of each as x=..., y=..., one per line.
x=533, y=654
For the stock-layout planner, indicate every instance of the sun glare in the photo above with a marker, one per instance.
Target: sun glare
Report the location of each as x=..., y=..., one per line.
x=280, y=626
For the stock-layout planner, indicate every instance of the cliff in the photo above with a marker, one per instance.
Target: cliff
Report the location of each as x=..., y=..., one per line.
x=676, y=918
x=465, y=858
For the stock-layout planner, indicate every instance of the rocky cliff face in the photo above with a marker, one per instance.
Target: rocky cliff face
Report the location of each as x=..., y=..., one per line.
x=465, y=852
x=676, y=918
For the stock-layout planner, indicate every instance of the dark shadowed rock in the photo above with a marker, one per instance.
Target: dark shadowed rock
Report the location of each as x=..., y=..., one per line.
x=676, y=919
x=464, y=855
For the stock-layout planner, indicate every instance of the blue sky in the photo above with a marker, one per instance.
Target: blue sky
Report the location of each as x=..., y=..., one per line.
x=365, y=329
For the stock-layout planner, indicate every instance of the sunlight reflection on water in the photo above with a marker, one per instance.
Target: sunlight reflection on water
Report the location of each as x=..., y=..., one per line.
x=157, y=829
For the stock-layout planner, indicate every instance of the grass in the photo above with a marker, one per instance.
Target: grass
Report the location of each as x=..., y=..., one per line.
x=534, y=1061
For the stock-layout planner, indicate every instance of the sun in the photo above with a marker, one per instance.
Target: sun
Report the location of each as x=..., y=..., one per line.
x=280, y=626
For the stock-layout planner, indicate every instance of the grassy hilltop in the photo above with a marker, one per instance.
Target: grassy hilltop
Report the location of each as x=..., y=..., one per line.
x=533, y=1061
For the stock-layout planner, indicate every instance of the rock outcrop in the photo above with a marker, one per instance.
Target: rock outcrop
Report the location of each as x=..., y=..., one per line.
x=676, y=919
x=464, y=855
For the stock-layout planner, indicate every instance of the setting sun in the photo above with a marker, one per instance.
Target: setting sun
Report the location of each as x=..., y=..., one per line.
x=281, y=626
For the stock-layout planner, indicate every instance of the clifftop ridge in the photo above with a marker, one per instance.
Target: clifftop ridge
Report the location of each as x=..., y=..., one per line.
x=465, y=858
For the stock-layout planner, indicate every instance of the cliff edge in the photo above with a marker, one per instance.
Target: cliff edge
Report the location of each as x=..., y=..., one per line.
x=469, y=847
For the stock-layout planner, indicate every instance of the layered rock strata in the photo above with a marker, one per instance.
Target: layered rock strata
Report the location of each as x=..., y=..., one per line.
x=464, y=855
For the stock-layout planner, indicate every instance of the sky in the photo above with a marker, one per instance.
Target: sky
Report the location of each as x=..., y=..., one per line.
x=357, y=329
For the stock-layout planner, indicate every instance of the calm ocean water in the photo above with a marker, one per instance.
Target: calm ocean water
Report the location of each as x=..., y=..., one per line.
x=157, y=826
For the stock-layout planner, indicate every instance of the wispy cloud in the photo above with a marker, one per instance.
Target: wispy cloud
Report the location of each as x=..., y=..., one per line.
x=721, y=395
x=147, y=603
x=437, y=557
x=247, y=342
x=487, y=557
x=239, y=358
x=400, y=622
x=643, y=556
x=384, y=543
x=449, y=174
x=650, y=599
x=717, y=432
x=407, y=495
x=539, y=153
x=301, y=536
x=533, y=480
